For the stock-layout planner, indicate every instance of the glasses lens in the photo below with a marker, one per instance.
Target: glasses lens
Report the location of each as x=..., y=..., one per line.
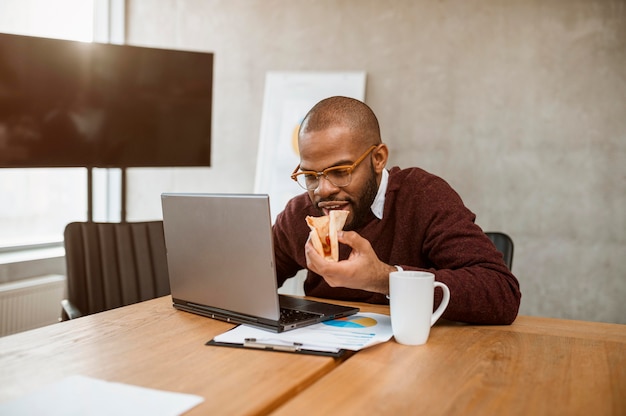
x=307, y=181
x=339, y=177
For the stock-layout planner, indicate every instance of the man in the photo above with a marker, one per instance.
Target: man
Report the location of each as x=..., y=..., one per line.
x=406, y=219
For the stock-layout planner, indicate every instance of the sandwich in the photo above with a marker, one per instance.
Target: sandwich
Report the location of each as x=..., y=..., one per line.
x=323, y=233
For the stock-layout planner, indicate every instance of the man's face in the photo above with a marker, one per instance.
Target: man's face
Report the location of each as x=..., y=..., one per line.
x=335, y=147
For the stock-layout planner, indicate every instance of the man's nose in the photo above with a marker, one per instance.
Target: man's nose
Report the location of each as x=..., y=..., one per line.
x=325, y=187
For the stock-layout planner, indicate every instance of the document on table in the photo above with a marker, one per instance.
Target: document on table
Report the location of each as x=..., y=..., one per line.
x=79, y=395
x=354, y=332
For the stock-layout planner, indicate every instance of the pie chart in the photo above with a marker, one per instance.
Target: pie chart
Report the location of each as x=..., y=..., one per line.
x=355, y=321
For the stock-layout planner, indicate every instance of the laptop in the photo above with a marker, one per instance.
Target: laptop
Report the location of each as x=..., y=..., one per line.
x=220, y=258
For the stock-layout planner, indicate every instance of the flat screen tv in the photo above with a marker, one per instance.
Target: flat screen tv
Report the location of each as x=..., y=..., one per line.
x=75, y=104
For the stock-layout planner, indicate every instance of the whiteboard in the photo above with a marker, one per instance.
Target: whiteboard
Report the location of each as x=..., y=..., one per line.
x=288, y=97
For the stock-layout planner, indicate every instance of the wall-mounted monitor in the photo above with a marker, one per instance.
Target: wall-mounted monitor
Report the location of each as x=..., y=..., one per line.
x=75, y=104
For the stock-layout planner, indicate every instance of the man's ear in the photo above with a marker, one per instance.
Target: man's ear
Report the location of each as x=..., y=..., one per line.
x=380, y=155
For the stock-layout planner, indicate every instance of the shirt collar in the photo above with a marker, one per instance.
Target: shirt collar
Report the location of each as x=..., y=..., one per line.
x=379, y=202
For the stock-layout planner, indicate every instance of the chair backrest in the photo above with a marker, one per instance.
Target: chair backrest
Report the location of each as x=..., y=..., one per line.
x=504, y=244
x=114, y=264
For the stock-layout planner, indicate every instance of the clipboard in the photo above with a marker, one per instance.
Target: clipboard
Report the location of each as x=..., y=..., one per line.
x=249, y=344
x=330, y=339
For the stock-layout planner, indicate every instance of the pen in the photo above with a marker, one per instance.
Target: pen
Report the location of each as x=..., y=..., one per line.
x=253, y=343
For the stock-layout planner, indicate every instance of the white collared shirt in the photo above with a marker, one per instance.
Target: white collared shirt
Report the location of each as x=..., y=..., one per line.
x=379, y=202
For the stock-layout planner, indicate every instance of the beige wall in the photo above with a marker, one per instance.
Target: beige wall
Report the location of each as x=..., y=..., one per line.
x=519, y=104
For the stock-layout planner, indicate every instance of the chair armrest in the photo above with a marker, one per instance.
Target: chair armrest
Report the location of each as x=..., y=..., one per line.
x=69, y=311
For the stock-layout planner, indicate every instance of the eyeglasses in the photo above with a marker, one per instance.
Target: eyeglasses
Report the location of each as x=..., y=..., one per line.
x=339, y=176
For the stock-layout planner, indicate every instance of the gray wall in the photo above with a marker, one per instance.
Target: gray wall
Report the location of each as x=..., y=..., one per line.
x=519, y=104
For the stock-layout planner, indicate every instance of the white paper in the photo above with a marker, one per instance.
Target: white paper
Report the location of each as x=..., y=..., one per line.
x=351, y=333
x=79, y=395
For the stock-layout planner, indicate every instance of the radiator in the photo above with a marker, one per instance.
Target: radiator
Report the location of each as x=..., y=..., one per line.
x=30, y=303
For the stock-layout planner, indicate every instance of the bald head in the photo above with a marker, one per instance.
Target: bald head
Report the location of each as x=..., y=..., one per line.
x=345, y=112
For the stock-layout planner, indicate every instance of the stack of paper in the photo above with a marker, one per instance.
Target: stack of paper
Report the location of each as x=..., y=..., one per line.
x=350, y=333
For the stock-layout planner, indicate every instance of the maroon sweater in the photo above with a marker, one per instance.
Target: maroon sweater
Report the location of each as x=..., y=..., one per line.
x=425, y=226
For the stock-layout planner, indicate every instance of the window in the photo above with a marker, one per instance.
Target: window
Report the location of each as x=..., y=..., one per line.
x=38, y=203
x=61, y=19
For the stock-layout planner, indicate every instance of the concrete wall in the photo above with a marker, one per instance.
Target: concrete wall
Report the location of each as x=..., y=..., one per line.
x=519, y=104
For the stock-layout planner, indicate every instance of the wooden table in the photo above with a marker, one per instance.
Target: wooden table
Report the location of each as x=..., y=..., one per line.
x=536, y=366
x=151, y=344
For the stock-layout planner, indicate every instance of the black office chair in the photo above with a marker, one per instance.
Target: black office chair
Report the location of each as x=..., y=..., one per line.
x=113, y=264
x=504, y=244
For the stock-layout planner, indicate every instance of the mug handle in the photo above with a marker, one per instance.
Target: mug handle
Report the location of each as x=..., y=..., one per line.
x=443, y=305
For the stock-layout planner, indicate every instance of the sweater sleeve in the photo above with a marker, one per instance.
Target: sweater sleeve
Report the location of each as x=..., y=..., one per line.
x=482, y=289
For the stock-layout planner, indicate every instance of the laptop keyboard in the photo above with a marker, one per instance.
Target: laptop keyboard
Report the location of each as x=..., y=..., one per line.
x=289, y=316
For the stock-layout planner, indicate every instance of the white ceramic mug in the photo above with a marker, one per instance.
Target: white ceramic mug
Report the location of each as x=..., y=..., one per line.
x=411, y=297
